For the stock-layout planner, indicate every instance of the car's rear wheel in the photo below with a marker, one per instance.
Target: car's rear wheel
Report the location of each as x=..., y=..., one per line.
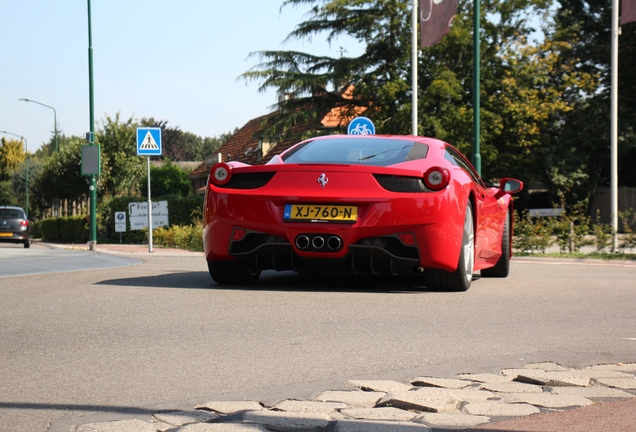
x=502, y=268
x=27, y=243
x=460, y=279
x=233, y=273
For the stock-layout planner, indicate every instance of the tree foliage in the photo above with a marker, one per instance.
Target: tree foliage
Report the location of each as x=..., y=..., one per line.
x=118, y=139
x=578, y=150
x=123, y=173
x=11, y=156
x=168, y=179
x=544, y=101
x=60, y=176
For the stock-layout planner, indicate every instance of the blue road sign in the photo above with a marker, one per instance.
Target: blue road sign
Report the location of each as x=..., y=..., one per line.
x=361, y=126
x=149, y=141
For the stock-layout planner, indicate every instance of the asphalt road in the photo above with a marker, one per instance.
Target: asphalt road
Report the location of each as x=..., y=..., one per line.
x=161, y=334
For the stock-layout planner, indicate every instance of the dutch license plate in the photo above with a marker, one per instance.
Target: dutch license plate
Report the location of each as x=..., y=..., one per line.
x=320, y=213
x=6, y=234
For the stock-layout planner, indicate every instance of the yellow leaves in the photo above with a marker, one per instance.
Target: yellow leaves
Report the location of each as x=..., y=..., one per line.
x=536, y=89
x=12, y=154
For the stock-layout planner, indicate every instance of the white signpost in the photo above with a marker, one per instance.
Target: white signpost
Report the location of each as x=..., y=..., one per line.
x=139, y=218
x=149, y=144
x=120, y=223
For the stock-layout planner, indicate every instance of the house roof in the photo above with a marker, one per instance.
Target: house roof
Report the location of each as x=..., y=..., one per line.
x=243, y=145
x=201, y=171
x=341, y=116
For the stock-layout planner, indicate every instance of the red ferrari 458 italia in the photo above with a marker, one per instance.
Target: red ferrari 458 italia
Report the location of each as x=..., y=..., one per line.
x=396, y=205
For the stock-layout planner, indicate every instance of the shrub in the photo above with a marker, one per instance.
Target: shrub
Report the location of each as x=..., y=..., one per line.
x=628, y=222
x=572, y=227
x=71, y=229
x=531, y=234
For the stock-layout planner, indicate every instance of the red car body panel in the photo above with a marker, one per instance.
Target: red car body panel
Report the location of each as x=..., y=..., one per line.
x=434, y=218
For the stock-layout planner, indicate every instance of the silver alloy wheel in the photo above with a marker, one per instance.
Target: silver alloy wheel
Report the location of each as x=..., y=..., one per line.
x=469, y=245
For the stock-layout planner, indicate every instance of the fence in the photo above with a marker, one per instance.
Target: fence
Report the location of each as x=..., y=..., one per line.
x=602, y=202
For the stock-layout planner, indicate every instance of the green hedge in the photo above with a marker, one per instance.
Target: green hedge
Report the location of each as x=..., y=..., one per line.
x=183, y=212
x=572, y=231
x=72, y=229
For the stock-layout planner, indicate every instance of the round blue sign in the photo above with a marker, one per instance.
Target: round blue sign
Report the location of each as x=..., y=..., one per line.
x=361, y=126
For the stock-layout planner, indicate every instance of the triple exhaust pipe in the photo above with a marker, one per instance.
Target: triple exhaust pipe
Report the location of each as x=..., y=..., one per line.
x=319, y=242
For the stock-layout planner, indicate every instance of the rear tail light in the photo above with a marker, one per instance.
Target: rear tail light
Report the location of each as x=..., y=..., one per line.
x=238, y=234
x=436, y=178
x=24, y=223
x=407, y=239
x=221, y=174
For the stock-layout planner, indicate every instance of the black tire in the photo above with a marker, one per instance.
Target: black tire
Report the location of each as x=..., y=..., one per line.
x=27, y=244
x=502, y=268
x=460, y=279
x=233, y=273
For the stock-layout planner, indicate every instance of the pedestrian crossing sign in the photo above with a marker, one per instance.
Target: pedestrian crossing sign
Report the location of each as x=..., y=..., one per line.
x=149, y=141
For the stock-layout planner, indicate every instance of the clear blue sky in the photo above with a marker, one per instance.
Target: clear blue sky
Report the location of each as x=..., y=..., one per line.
x=171, y=60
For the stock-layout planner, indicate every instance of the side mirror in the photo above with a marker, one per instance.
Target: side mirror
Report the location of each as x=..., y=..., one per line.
x=509, y=186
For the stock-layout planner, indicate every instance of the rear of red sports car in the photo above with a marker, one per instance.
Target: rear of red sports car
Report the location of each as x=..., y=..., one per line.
x=367, y=205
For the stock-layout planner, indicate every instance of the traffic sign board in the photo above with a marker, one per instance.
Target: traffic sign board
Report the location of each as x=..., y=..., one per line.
x=149, y=141
x=361, y=126
x=138, y=213
x=120, y=221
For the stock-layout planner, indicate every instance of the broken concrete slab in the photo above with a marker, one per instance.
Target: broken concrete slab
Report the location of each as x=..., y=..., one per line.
x=621, y=383
x=440, y=382
x=119, y=426
x=604, y=373
x=383, y=413
x=620, y=367
x=222, y=427
x=511, y=387
x=546, y=366
x=310, y=406
x=474, y=395
x=229, y=407
x=452, y=420
x=485, y=378
x=540, y=377
x=592, y=392
x=351, y=398
x=288, y=421
x=427, y=399
x=548, y=400
x=498, y=409
x=379, y=426
x=385, y=386
x=181, y=418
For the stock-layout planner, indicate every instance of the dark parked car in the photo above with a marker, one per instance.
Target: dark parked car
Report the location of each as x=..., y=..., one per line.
x=14, y=226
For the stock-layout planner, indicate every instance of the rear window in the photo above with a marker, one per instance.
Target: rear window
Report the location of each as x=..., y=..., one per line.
x=357, y=151
x=11, y=214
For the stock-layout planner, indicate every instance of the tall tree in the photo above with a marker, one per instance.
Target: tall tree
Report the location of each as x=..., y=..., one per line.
x=11, y=156
x=311, y=85
x=119, y=156
x=381, y=76
x=579, y=149
x=166, y=180
x=60, y=177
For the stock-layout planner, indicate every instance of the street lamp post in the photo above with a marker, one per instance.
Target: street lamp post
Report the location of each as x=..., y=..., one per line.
x=26, y=151
x=54, y=116
x=93, y=187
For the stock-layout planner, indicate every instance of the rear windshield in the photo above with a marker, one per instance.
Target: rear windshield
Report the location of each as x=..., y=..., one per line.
x=11, y=214
x=357, y=151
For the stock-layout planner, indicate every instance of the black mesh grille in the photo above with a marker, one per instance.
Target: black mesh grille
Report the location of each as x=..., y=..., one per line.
x=401, y=184
x=248, y=180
